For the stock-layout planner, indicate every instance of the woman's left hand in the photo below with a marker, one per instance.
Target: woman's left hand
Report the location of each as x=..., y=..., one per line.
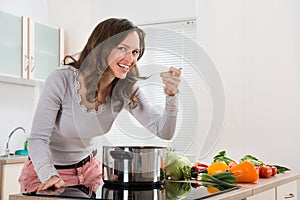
x=171, y=79
x=54, y=182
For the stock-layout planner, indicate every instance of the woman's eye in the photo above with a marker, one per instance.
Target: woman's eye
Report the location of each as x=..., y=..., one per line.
x=122, y=48
x=136, y=52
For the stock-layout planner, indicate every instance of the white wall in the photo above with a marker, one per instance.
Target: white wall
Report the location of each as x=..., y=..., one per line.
x=17, y=104
x=77, y=18
x=255, y=46
x=148, y=11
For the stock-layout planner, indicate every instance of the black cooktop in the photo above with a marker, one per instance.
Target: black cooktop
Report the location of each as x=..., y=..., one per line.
x=167, y=191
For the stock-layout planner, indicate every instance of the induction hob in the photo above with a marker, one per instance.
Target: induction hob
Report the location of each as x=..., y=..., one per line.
x=168, y=191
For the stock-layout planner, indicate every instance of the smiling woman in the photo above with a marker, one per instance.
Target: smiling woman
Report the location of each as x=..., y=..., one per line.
x=81, y=100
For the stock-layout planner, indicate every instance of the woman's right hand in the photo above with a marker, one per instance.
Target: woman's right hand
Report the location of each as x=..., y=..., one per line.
x=171, y=79
x=54, y=181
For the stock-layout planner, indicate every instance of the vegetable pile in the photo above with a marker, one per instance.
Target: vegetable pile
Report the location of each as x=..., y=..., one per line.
x=223, y=173
x=178, y=167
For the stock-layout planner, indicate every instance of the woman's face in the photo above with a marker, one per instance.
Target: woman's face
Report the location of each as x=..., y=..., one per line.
x=124, y=56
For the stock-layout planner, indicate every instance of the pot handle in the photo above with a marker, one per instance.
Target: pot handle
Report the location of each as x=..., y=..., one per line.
x=121, y=155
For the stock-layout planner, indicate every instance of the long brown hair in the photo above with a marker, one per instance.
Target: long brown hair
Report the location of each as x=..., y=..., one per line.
x=92, y=61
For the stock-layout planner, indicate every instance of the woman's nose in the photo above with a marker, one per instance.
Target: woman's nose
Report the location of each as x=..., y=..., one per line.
x=129, y=56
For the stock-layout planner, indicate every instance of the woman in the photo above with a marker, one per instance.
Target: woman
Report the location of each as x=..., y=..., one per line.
x=81, y=100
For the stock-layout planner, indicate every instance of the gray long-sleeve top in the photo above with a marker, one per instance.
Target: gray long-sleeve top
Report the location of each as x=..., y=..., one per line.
x=63, y=128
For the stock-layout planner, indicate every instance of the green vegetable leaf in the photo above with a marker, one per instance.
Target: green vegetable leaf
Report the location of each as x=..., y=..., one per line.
x=221, y=157
x=281, y=169
x=255, y=161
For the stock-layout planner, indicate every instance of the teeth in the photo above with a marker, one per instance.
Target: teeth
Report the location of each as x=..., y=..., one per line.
x=124, y=66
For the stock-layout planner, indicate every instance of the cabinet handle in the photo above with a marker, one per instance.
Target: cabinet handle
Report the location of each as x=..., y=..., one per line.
x=289, y=196
x=32, y=63
x=26, y=61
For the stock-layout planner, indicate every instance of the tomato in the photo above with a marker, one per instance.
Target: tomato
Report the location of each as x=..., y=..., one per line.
x=265, y=171
x=217, y=167
x=274, y=170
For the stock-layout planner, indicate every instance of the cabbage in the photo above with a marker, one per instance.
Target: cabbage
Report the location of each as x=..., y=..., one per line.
x=178, y=166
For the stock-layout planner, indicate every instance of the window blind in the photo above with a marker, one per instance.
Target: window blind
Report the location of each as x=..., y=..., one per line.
x=168, y=44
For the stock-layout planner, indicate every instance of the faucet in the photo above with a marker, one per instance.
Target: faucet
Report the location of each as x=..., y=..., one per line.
x=7, y=152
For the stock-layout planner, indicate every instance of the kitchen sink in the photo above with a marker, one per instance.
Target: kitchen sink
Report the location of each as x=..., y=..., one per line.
x=18, y=154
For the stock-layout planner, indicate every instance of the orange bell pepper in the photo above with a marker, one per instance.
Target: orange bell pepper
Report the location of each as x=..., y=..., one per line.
x=245, y=172
x=217, y=168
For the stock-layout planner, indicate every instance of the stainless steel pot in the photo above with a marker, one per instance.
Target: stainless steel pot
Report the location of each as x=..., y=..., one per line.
x=133, y=166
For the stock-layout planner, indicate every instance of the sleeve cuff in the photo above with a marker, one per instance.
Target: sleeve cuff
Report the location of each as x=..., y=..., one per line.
x=46, y=171
x=172, y=104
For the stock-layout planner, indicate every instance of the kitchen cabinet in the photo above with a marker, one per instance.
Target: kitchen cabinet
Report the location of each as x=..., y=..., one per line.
x=269, y=194
x=282, y=190
x=287, y=191
x=10, y=170
x=28, y=49
x=11, y=173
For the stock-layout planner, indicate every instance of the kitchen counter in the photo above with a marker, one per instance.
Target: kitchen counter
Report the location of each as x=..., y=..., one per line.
x=251, y=189
x=246, y=190
x=14, y=159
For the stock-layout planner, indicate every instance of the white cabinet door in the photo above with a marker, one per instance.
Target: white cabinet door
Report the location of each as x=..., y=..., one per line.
x=11, y=173
x=10, y=44
x=45, y=52
x=267, y=195
x=287, y=191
